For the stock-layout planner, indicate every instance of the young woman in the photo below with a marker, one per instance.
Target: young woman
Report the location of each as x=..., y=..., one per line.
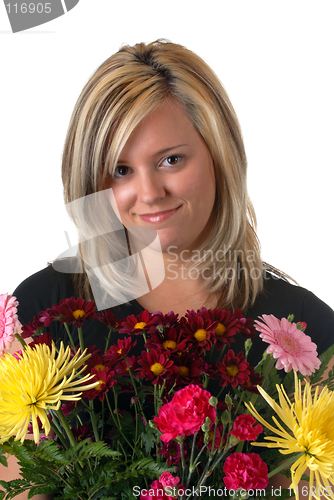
x=154, y=147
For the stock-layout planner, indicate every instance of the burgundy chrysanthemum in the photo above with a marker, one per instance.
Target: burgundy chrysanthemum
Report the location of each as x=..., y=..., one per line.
x=189, y=369
x=76, y=311
x=156, y=366
x=246, y=326
x=51, y=314
x=118, y=351
x=35, y=327
x=108, y=318
x=200, y=331
x=170, y=339
x=82, y=432
x=45, y=338
x=234, y=369
x=136, y=325
x=227, y=325
x=122, y=368
x=169, y=320
x=171, y=452
x=106, y=380
x=255, y=379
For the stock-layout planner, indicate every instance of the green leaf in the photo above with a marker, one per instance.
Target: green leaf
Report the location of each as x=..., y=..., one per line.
x=325, y=358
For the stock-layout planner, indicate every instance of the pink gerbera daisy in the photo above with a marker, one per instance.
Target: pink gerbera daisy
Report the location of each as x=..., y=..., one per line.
x=9, y=322
x=290, y=346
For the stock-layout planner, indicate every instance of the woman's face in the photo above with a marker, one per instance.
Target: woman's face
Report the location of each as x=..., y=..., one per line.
x=165, y=179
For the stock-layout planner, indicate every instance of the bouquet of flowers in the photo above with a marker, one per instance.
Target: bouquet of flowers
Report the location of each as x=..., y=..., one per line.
x=176, y=419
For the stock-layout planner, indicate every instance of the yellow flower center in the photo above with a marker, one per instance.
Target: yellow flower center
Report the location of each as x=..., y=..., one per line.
x=157, y=368
x=119, y=351
x=99, y=367
x=100, y=385
x=200, y=335
x=140, y=326
x=220, y=330
x=169, y=344
x=232, y=370
x=79, y=313
x=183, y=371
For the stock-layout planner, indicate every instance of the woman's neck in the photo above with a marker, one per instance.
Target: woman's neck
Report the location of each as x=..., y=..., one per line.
x=179, y=291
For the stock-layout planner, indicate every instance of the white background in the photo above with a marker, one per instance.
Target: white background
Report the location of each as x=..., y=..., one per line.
x=275, y=58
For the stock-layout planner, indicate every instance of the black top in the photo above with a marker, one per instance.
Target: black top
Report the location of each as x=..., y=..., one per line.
x=280, y=298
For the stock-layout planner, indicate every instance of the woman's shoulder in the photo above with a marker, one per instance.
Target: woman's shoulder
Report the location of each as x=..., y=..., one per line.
x=42, y=290
x=282, y=298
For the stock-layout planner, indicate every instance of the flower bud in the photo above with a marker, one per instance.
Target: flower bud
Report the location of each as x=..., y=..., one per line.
x=213, y=401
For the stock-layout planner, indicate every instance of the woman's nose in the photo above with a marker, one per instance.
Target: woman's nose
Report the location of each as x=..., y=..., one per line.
x=150, y=188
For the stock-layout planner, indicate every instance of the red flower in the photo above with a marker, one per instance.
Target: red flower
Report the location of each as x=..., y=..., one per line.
x=51, y=314
x=185, y=413
x=199, y=330
x=105, y=378
x=246, y=327
x=108, y=318
x=46, y=338
x=234, y=369
x=189, y=369
x=246, y=471
x=167, y=423
x=243, y=428
x=227, y=325
x=169, y=320
x=76, y=311
x=160, y=487
x=219, y=437
x=171, y=452
x=156, y=366
x=136, y=325
x=35, y=327
x=82, y=432
x=171, y=339
x=122, y=368
x=118, y=351
x=255, y=379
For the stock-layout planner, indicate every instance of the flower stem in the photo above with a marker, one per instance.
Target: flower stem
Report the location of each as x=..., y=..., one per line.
x=136, y=393
x=66, y=427
x=21, y=340
x=69, y=335
x=81, y=341
x=93, y=419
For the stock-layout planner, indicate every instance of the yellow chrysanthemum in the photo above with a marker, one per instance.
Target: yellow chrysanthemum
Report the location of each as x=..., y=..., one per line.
x=311, y=433
x=33, y=383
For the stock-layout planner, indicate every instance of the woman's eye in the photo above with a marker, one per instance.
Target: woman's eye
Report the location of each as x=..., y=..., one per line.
x=121, y=171
x=172, y=160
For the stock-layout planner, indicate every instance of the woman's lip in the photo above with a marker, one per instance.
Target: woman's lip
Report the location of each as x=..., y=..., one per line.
x=158, y=216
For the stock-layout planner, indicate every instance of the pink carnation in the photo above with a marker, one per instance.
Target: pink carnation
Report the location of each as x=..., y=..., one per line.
x=9, y=322
x=186, y=413
x=167, y=423
x=246, y=471
x=165, y=488
x=243, y=428
x=289, y=345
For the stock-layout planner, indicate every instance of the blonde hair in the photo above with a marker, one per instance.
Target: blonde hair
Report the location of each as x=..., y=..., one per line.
x=125, y=89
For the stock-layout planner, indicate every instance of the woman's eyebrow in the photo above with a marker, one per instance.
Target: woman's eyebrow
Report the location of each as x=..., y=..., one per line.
x=165, y=150
x=157, y=153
